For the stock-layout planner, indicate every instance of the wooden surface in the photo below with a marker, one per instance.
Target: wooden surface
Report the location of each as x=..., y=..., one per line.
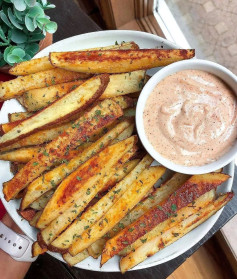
x=72, y=21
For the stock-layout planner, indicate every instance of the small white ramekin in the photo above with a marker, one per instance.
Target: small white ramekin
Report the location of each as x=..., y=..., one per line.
x=194, y=64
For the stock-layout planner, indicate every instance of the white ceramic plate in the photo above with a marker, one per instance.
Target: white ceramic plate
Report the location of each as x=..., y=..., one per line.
x=95, y=39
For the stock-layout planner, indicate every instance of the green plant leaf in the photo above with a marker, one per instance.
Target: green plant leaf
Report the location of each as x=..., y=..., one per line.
x=27, y=57
x=18, y=52
x=30, y=3
x=51, y=27
x=36, y=37
x=34, y=48
x=5, y=19
x=17, y=14
x=6, y=51
x=13, y=19
x=20, y=5
x=36, y=11
x=18, y=36
x=2, y=35
x=29, y=24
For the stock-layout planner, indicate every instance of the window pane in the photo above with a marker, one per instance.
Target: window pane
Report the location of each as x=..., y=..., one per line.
x=209, y=27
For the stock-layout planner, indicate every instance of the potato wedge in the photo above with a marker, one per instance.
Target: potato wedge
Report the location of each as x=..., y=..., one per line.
x=125, y=134
x=6, y=127
x=42, y=64
x=122, y=84
x=90, y=123
x=22, y=155
x=193, y=188
x=72, y=103
x=154, y=198
x=125, y=203
x=37, y=250
x=88, y=172
x=27, y=214
x=181, y=214
x=92, y=214
x=34, y=220
x=37, y=99
x=153, y=246
x=39, y=137
x=16, y=87
x=96, y=248
x=51, y=179
x=117, y=61
x=77, y=259
x=41, y=202
x=15, y=167
x=18, y=116
x=81, y=199
x=118, y=85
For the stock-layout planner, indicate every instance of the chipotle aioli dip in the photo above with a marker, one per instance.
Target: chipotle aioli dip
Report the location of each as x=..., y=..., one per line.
x=190, y=118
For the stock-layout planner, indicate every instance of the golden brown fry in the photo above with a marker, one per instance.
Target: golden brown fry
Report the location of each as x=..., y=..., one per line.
x=39, y=137
x=58, y=149
x=74, y=260
x=96, y=248
x=37, y=99
x=22, y=155
x=117, y=61
x=54, y=177
x=81, y=198
x=153, y=246
x=15, y=167
x=193, y=188
x=16, y=87
x=37, y=250
x=93, y=213
x=28, y=214
x=42, y=64
x=125, y=203
x=42, y=201
x=18, y=116
x=90, y=171
x=34, y=220
x=74, y=102
x=181, y=214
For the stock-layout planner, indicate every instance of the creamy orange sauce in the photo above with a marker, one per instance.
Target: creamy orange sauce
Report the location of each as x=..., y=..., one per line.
x=190, y=118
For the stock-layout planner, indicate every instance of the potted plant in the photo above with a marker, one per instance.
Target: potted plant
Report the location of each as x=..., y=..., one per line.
x=24, y=27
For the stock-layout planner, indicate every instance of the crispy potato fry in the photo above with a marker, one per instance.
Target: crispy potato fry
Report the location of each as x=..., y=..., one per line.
x=83, y=196
x=91, y=215
x=28, y=214
x=118, y=85
x=39, y=137
x=34, y=220
x=42, y=201
x=42, y=64
x=18, y=116
x=117, y=61
x=125, y=134
x=154, y=198
x=130, y=112
x=37, y=99
x=72, y=103
x=153, y=246
x=37, y=250
x=125, y=203
x=181, y=214
x=90, y=123
x=6, y=127
x=84, y=176
x=16, y=87
x=15, y=167
x=96, y=248
x=124, y=101
x=74, y=260
x=54, y=177
x=193, y=188
x=122, y=84
x=22, y=155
